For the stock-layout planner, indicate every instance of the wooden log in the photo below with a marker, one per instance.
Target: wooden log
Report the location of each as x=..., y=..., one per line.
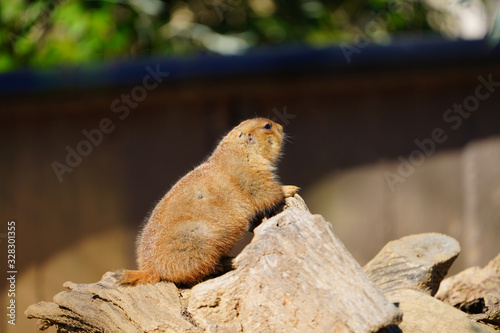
x=295, y=276
x=475, y=291
x=104, y=307
x=417, y=262
x=409, y=271
x=424, y=313
x=490, y=311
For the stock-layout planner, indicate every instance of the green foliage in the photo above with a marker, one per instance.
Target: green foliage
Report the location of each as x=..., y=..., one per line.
x=46, y=33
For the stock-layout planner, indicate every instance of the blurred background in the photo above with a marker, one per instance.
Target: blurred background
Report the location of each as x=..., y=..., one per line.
x=392, y=108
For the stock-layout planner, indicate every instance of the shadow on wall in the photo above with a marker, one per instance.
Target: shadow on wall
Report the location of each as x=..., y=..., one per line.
x=455, y=192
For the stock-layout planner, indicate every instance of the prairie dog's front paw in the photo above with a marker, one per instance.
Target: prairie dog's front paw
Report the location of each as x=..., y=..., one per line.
x=290, y=190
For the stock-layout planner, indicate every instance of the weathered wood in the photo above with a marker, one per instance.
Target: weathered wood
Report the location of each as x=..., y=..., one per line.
x=490, y=314
x=103, y=306
x=424, y=313
x=475, y=291
x=409, y=271
x=295, y=276
x=417, y=262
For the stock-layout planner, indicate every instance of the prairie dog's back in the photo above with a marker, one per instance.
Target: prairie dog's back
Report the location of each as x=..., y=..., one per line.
x=207, y=211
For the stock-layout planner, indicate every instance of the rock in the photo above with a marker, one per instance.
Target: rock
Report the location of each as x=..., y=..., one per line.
x=417, y=262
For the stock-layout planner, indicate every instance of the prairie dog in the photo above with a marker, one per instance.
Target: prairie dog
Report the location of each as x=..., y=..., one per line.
x=207, y=211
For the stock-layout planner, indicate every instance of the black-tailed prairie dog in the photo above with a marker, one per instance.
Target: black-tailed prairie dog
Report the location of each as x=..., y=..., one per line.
x=207, y=211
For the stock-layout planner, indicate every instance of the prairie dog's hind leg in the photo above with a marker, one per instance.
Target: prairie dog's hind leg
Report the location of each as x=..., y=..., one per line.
x=189, y=254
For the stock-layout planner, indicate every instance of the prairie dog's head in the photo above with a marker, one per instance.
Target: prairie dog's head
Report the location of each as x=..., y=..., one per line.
x=260, y=136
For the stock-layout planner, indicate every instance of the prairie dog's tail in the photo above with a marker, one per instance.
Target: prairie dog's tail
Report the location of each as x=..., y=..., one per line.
x=131, y=278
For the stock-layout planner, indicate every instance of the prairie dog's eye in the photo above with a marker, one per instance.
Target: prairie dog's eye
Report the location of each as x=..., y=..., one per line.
x=268, y=126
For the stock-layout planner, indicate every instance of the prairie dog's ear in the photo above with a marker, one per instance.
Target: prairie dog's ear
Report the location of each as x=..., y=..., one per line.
x=251, y=139
x=247, y=138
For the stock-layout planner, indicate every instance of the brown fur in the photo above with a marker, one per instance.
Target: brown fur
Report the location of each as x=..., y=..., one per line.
x=203, y=216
